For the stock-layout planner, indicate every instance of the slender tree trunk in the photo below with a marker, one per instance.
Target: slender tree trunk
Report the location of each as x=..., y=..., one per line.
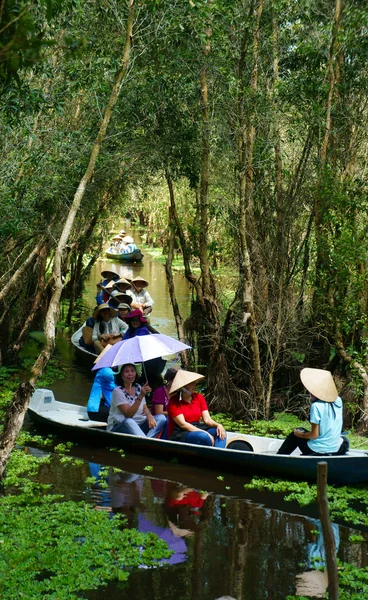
x=246, y=144
x=15, y=414
x=16, y=277
x=169, y=274
x=37, y=300
x=321, y=213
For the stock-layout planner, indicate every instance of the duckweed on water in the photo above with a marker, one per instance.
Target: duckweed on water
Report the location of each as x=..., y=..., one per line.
x=62, y=549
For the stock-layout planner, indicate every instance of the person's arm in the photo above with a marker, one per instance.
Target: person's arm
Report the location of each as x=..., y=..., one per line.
x=150, y=418
x=148, y=301
x=130, y=410
x=159, y=410
x=308, y=435
x=209, y=421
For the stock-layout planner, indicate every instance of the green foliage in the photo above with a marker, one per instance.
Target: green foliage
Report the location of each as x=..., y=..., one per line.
x=279, y=426
x=346, y=503
x=64, y=549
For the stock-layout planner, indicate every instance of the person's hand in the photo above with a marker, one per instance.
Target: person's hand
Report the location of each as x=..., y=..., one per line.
x=299, y=433
x=220, y=431
x=145, y=389
x=151, y=421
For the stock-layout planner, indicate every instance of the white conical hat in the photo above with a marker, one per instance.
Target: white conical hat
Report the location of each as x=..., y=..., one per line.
x=320, y=384
x=182, y=378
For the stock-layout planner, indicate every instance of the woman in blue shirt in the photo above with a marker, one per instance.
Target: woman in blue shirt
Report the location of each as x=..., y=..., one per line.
x=325, y=418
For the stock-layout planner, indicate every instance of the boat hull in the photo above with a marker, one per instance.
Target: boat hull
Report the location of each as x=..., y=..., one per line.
x=131, y=257
x=72, y=422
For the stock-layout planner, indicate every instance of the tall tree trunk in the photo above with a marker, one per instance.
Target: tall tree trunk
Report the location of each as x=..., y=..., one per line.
x=321, y=212
x=245, y=291
x=169, y=273
x=15, y=414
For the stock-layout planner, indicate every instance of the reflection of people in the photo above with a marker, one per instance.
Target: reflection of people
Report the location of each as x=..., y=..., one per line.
x=99, y=400
x=314, y=582
x=325, y=418
x=129, y=412
x=183, y=508
x=190, y=419
x=127, y=497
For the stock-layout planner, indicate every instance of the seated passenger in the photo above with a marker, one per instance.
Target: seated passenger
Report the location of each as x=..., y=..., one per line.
x=129, y=412
x=123, y=310
x=99, y=400
x=121, y=285
x=140, y=297
x=108, y=328
x=136, y=325
x=160, y=397
x=325, y=418
x=190, y=420
x=107, y=277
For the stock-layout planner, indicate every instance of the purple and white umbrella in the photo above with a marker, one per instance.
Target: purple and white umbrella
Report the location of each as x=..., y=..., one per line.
x=140, y=349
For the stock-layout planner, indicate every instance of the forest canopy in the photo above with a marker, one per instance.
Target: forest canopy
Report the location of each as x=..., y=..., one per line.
x=236, y=131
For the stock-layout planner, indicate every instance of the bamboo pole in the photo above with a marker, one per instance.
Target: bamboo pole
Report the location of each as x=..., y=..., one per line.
x=328, y=536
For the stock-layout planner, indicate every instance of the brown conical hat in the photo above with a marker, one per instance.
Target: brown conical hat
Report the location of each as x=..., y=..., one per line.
x=116, y=237
x=106, y=272
x=109, y=286
x=182, y=378
x=140, y=280
x=320, y=384
x=121, y=297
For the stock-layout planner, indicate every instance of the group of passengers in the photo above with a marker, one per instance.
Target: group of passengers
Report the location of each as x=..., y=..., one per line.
x=122, y=244
x=119, y=314
x=181, y=414
x=178, y=412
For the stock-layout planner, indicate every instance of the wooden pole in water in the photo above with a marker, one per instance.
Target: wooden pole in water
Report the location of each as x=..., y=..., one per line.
x=328, y=536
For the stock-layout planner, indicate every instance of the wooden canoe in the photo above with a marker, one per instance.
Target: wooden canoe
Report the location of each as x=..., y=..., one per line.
x=130, y=257
x=71, y=421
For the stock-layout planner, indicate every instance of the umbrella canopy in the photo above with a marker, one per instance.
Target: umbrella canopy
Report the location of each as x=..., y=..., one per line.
x=138, y=349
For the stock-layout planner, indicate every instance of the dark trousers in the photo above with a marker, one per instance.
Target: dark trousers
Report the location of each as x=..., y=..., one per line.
x=102, y=414
x=292, y=442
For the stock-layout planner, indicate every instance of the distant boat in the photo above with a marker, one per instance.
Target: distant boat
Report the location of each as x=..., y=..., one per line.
x=130, y=257
x=245, y=454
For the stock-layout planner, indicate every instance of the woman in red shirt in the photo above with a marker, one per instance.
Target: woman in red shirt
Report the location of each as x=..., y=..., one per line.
x=189, y=419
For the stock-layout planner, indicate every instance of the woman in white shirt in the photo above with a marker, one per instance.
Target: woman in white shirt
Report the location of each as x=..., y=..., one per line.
x=108, y=328
x=129, y=412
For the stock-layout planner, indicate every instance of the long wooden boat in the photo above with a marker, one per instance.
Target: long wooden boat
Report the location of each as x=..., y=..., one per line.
x=130, y=257
x=71, y=421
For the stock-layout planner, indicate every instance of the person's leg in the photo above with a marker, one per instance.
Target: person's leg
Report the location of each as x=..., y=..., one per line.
x=289, y=444
x=218, y=442
x=200, y=438
x=160, y=424
x=128, y=426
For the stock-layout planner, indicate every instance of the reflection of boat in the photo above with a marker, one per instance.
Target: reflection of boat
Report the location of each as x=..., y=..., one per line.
x=130, y=257
x=71, y=420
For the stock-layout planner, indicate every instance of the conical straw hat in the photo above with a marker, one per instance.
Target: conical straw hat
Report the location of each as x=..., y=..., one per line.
x=182, y=378
x=320, y=384
x=102, y=353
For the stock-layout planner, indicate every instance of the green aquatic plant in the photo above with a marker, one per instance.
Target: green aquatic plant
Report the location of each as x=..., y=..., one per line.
x=346, y=503
x=60, y=550
x=148, y=468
